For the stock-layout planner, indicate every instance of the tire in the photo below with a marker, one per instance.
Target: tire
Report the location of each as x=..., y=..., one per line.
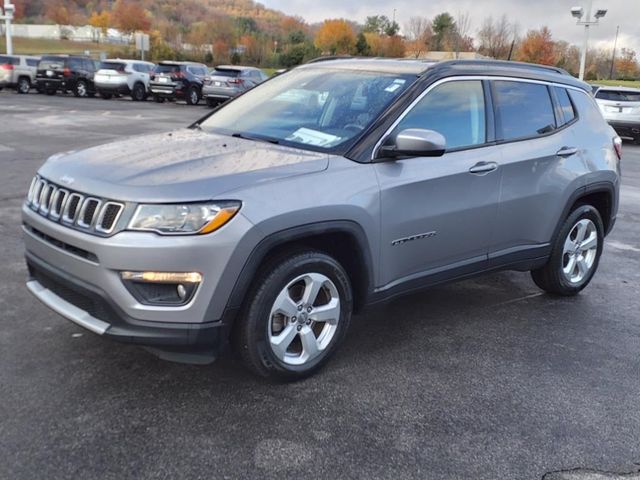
x=106, y=96
x=24, y=85
x=193, y=96
x=81, y=89
x=211, y=103
x=574, y=257
x=308, y=343
x=158, y=99
x=139, y=93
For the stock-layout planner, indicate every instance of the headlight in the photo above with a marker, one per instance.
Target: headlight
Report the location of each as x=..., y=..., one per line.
x=181, y=219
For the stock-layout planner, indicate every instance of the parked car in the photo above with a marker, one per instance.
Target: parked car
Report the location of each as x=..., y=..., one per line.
x=124, y=77
x=229, y=81
x=66, y=73
x=621, y=108
x=334, y=186
x=178, y=80
x=18, y=71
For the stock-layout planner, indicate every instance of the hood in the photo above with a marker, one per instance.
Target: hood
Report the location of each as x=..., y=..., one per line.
x=183, y=165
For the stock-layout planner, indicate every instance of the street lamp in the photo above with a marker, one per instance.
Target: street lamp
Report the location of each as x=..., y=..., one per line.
x=9, y=9
x=578, y=12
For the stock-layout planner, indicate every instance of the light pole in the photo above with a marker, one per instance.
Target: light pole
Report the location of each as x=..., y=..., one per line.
x=7, y=17
x=613, y=57
x=578, y=13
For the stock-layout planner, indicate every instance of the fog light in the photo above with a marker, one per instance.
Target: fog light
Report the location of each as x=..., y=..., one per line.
x=162, y=288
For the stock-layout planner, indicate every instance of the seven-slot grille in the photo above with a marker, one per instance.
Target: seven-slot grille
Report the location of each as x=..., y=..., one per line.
x=72, y=208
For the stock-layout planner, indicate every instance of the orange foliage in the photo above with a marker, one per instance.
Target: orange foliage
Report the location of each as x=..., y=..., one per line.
x=336, y=37
x=537, y=47
x=129, y=16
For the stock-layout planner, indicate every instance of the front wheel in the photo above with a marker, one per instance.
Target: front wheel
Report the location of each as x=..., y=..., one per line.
x=296, y=316
x=139, y=92
x=575, y=254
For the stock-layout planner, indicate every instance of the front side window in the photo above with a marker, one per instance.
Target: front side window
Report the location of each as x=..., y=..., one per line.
x=454, y=109
x=524, y=109
x=317, y=108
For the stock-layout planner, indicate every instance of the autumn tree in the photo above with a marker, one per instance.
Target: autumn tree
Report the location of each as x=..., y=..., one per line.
x=626, y=66
x=537, y=47
x=58, y=11
x=129, y=16
x=335, y=37
x=418, y=33
x=101, y=21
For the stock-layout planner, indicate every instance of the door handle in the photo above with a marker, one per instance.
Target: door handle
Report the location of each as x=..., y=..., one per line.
x=567, y=151
x=482, y=168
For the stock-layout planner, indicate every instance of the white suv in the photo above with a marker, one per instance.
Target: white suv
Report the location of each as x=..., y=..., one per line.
x=621, y=109
x=124, y=77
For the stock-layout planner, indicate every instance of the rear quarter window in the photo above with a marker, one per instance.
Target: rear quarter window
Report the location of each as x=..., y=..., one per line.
x=524, y=109
x=568, y=112
x=32, y=62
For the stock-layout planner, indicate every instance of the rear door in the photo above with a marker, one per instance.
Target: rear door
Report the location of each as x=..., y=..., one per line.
x=541, y=165
x=438, y=212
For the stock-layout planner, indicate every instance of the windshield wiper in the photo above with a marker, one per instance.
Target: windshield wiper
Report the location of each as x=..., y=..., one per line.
x=255, y=138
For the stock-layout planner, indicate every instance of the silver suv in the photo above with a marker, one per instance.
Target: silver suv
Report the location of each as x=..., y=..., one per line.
x=334, y=186
x=620, y=107
x=18, y=71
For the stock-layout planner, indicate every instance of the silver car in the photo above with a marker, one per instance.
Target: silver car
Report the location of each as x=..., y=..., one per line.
x=333, y=187
x=228, y=81
x=621, y=108
x=18, y=71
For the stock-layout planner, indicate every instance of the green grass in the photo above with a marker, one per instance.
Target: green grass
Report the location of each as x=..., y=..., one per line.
x=618, y=83
x=37, y=46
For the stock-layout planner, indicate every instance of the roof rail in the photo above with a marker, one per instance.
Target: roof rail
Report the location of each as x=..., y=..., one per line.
x=331, y=57
x=510, y=64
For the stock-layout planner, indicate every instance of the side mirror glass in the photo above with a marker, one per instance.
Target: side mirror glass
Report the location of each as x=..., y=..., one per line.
x=414, y=142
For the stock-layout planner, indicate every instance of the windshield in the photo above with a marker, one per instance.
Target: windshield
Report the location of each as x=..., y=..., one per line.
x=315, y=108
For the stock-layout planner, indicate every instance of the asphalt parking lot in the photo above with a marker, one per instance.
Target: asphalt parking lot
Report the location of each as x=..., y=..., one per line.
x=483, y=379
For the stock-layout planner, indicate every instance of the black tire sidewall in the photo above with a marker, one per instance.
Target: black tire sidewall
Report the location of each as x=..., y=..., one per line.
x=580, y=213
x=257, y=316
x=20, y=82
x=190, y=94
x=135, y=95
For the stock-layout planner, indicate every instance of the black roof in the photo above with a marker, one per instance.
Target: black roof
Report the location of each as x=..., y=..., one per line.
x=451, y=67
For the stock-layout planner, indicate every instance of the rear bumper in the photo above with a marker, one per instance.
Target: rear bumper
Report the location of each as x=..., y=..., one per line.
x=91, y=308
x=166, y=91
x=113, y=88
x=626, y=129
x=219, y=93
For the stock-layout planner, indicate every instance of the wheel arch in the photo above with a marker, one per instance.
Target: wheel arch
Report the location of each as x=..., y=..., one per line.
x=344, y=240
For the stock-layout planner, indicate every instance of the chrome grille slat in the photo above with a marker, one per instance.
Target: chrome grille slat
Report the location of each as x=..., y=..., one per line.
x=73, y=209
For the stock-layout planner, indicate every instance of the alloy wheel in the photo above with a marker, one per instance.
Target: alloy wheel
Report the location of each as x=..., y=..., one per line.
x=580, y=251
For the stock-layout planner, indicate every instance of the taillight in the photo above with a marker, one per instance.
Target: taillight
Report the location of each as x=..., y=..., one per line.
x=6, y=66
x=236, y=81
x=178, y=75
x=66, y=72
x=617, y=146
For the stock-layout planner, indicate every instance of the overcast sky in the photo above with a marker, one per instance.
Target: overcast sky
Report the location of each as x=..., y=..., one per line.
x=527, y=13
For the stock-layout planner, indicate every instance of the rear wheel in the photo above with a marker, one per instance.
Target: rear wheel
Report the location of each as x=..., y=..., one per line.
x=139, y=92
x=296, y=316
x=193, y=96
x=575, y=254
x=24, y=85
x=81, y=89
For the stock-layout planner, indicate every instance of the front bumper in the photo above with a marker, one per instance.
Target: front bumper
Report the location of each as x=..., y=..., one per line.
x=626, y=129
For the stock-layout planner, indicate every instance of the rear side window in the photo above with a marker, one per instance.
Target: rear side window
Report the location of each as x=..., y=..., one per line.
x=32, y=62
x=524, y=109
x=5, y=60
x=568, y=112
x=618, y=95
x=453, y=109
x=75, y=64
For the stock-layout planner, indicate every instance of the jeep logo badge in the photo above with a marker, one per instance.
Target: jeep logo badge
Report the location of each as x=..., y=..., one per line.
x=67, y=180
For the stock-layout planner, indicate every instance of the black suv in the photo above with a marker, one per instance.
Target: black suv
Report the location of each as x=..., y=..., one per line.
x=66, y=73
x=178, y=80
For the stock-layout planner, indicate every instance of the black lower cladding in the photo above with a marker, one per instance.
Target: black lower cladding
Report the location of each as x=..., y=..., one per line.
x=210, y=336
x=626, y=129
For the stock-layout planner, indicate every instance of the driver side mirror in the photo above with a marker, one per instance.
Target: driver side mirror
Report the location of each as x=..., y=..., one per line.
x=414, y=142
